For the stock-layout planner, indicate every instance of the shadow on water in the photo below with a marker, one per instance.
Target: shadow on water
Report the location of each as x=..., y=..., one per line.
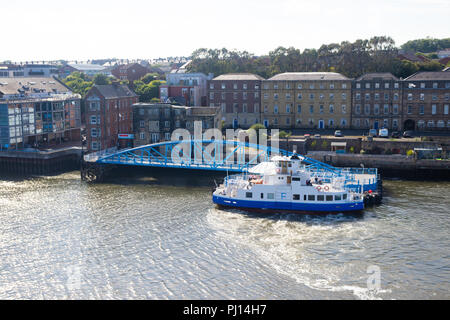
x=164, y=176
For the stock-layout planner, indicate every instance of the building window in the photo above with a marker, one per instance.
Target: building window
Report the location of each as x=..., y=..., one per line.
x=433, y=109
x=331, y=85
x=311, y=96
x=396, y=85
x=275, y=109
x=142, y=124
x=223, y=86
x=377, y=85
x=435, y=85
x=445, y=108
x=395, y=123
x=344, y=96
x=288, y=96
x=367, y=85
x=422, y=109
x=331, y=108
x=167, y=136
x=367, y=96
x=358, y=96
x=235, y=86
x=395, y=108
x=299, y=108
x=311, y=109
x=377, y=96
x=270, y=196
x=299, y=96
x=275, y=96
x=386, y=109
x=142, y=135
x=358, y=86
x=358, y=109
x=367, y=109
x=211, y=85
x=344, y=108
x=211, y=95
x=321, y=109
x=93, y=119
x=288, y=108
x=410, y=96
x=94, y=145
x=376, y=108
x=299, y=86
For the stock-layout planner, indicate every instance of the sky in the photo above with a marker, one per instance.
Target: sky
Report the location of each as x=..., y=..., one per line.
x=134, y=29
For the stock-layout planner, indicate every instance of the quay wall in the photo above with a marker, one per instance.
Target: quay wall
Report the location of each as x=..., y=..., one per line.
x=40, y=163
x=390, y=165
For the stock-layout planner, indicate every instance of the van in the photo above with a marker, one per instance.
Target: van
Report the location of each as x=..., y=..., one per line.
x=383, y=133
x=372, y=132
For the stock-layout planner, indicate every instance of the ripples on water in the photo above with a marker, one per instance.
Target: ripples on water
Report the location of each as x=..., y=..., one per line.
x=161, y=238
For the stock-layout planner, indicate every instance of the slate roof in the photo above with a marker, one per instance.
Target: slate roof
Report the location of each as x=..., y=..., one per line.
x=239, y=76
x=309, y=76
x=429, y=75
x=111, y=91
x=378, y=76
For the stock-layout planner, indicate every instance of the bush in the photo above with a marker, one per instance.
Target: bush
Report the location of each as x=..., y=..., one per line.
x=410, y=153
x=362, y=151
x=352, y=149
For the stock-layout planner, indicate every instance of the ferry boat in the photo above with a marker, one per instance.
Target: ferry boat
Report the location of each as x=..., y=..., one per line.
x=284, y=185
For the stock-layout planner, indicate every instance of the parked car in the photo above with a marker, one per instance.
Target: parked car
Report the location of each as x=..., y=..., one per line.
x=307, y=135
x=317, y=135
x=373, y=133
x=396, y=134
x=408, y=134
x=383, y=133
x=338, y=133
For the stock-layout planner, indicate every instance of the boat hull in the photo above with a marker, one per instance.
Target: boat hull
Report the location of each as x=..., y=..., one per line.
x=293, y=207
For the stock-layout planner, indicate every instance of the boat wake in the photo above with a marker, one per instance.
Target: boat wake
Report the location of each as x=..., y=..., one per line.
x=321, y=252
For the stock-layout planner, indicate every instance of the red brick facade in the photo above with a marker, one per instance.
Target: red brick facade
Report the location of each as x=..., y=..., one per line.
x=108, y=112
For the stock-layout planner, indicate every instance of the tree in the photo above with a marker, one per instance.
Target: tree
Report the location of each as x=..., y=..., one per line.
x=101, y=79
x=78, y=83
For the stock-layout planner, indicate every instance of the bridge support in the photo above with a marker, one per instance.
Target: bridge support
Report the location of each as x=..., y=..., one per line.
x=93, y=172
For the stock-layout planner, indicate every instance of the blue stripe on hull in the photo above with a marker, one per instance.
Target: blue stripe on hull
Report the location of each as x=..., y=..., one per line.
x=288, y=206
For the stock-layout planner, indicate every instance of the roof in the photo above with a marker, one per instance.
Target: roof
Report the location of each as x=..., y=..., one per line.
x=309, y=76
x=109, y=91
x=87, y=66
x=411, y=56
x=239, y=76
x=378, y=76
x=429, y=75
x=31, y=85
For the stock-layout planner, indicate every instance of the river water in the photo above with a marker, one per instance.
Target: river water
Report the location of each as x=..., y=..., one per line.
x=159, y=236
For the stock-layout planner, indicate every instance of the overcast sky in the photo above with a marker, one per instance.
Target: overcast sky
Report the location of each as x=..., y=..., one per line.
x=86, y=29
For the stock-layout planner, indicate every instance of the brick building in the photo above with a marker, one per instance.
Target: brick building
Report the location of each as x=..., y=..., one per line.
x=306, y=100
x=377, y=102
x=426, y=100
x=109, y=113
x=239, y=97
x=185, y=88
x=155, y=122
x=130, y=72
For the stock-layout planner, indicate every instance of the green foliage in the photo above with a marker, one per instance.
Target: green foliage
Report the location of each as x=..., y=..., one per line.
x=101, y=79
x=362, y=151
x=352, y=59
x=313, y=144
x=410, y=153
x=324, y=144
x=78, y=83
x=149, y=91
x=426, y=45
x=285, y=135
x=149, y=77
x=352, y=150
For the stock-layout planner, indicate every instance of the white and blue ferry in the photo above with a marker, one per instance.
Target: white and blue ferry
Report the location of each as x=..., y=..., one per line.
x=283, y=184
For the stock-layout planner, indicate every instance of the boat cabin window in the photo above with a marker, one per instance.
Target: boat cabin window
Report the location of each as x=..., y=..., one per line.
x=295, y=179
x=344, y=196
x=262, y=195
x=329, y=198
x=296, y=197
x=321, y=198
x=311, y=197
x=337, y=197
x=249, y=194
x=270, y=196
